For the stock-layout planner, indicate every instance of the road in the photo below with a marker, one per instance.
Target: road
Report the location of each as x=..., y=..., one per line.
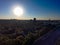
x=48, y=39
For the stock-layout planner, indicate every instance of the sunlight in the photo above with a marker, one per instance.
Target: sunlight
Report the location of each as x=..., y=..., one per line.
x=18, y=11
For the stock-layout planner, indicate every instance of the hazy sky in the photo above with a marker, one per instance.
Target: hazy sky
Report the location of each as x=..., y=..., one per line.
x=41, y=9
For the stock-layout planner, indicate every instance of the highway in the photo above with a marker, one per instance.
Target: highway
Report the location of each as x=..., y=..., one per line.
x=49, y=38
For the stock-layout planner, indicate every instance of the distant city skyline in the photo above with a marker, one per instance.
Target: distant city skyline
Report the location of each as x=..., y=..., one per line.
x=40, y=9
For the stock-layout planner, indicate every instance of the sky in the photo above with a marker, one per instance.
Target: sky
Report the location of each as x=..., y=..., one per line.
x=40, y=9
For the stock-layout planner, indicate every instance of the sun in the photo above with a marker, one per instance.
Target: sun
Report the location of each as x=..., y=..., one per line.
x=18, y=11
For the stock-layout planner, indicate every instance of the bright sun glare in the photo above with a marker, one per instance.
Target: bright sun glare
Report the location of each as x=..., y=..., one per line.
x=18, y=11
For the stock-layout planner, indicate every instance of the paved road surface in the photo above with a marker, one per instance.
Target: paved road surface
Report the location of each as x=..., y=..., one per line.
x=48, y=39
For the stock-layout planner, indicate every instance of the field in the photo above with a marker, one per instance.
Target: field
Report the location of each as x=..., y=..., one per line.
x=25, y=32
